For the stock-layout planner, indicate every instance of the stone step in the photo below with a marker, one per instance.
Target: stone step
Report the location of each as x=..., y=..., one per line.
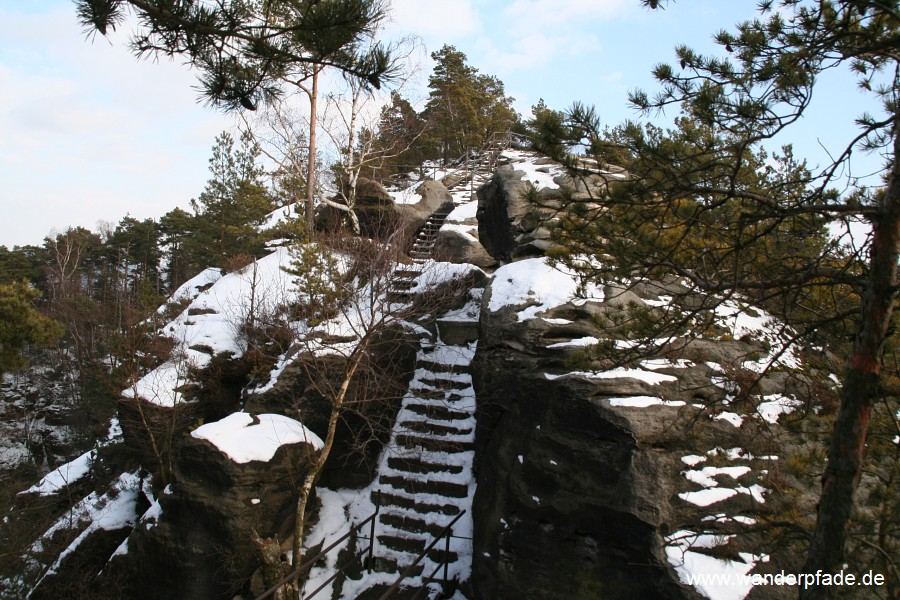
x=447, y=489
x=436, y=367
x=438, y=412
x=417, y=465
x=418, y=506
x=429, y=443
x=445, y=384
x=428, y=394
x=435, y=428
x=402, y=284
x=384, y=564
x=407, y=272
x=402, y=544
x=412, y=524
x=399, y=297
x=439, y=555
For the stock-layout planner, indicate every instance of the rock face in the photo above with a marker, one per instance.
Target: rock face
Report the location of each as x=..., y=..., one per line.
x=375, y=209
x=513, y=210
x=201, y=545
x=460, y=245
x=580, y=476
x=568, y=498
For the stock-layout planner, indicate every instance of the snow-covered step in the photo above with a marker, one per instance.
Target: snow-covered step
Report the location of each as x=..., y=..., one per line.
x=424, y=507
x=437, y=411
x=421, y=466
x=437, y=487
x=427, y=442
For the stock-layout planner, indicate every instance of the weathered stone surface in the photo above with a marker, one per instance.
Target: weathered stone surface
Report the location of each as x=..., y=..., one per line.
x=575, y=495
x=201, y=546
x=375, y=209
x=453, y=245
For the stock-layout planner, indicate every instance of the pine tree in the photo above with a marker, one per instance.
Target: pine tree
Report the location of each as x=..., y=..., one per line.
x=234, y=204
x=243, y=49
x=464, y=107
x=397, y=138
x=21, y=325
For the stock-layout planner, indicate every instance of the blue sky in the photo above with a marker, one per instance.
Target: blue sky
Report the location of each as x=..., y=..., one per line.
x=88, y=133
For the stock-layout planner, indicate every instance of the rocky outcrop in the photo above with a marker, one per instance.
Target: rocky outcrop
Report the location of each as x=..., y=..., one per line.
x=579, y=464
x=570, y=495
x=375, y=210
x=201, y=544
x=374, y=399
x=515, y=205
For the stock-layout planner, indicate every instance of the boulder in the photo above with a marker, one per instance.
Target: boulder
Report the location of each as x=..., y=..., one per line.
x=201, y=545
x=459, y=244
x=375, y=209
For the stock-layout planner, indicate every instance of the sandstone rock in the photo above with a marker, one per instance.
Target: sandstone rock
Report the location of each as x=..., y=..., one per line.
x=202, y=544
x=459, y=246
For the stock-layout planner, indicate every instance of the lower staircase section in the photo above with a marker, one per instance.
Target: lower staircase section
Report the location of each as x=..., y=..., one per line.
x=425, y=478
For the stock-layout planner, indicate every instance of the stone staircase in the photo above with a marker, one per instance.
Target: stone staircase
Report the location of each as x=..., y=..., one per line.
x=425, y=478
x=474, y=169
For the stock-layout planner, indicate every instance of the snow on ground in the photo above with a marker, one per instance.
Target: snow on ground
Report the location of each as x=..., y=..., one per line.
x=193, y=287
x=244, y=437
x=110, y=511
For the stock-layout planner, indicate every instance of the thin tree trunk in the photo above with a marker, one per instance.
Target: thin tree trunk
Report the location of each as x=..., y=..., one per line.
x=311, y=164
x=313, y=475
x=860, y=391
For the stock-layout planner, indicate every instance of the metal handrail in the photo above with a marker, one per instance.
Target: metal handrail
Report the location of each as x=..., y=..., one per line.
x=445, y=533
x=309, y=563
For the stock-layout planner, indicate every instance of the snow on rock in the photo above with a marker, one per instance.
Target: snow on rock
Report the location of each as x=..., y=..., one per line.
x=244, y=437
x=715, y=578
x=463, y=212
x=534, y=282
x=211, y=322
x=708, y=496
x=705, y=476
x=643, y=402
x=541, y=176
x=434, y=273
x=63, y=476
x=775, y=405
x=111, y=511
x=650, y=377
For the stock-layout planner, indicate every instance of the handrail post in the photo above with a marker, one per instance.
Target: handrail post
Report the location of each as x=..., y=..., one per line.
x=372, y=530
x=447, y=555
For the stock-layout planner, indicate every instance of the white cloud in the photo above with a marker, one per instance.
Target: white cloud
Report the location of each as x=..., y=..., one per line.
x=87, y=132
x=448, y=21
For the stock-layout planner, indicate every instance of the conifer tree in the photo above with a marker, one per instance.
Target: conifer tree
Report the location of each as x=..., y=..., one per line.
x=397, y=137
x=464, y=107
x=242, y=49
x=233, y=205
x=21, y=325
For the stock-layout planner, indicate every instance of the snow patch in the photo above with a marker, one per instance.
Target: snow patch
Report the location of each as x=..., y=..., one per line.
x=244, y=438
